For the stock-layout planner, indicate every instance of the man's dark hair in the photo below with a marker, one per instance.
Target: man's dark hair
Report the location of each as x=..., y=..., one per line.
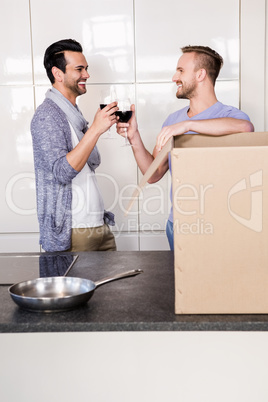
x=54, y=55
x=206, y=58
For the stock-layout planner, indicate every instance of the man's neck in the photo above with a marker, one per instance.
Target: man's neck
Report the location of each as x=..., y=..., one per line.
x=198, y=104
x=71, y=98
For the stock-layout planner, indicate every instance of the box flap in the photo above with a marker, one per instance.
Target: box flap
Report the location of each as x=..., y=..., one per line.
x=227, y=140
x=150, y=171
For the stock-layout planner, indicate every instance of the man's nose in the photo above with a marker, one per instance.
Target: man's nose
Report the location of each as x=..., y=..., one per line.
x=175, y=77
x=86, y=74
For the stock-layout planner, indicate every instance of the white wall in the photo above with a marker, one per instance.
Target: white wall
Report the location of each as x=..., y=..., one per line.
x=134, y=45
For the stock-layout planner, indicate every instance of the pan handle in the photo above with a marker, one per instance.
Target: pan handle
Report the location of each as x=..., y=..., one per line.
x=118, y=276
x=69, y=269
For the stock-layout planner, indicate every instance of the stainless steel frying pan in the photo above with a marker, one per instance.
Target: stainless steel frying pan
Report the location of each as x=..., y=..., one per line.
x=58, y=293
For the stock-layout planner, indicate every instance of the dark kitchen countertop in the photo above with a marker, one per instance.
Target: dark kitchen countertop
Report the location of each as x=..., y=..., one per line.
x=141, y=303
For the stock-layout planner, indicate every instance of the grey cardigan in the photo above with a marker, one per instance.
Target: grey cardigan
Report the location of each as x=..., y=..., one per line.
x=51, y=137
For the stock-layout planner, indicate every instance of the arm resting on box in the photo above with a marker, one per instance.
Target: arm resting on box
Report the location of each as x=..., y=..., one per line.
x=215, y=127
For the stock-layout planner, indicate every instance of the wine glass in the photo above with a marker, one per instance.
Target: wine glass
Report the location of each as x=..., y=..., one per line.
x=124, y=113
x=107, y=97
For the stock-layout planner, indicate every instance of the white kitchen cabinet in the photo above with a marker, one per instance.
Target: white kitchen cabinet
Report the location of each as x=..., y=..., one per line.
x=134, y=366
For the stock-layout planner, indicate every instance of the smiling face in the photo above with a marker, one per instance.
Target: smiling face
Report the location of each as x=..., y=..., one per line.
x=72, y=83
x=76, y=74
x=185, y=76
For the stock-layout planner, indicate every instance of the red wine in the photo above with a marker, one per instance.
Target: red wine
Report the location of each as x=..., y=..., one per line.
x=102, y=106
x=124, y=116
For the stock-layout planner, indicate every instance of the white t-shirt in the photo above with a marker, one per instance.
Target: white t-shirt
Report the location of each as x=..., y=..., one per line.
x=87, y=202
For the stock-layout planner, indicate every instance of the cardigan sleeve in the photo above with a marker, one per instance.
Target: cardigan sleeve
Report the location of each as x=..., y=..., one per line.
x=51, y=137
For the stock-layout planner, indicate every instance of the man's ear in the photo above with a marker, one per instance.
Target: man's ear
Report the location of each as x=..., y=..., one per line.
x=201, y=74
x=57, y=73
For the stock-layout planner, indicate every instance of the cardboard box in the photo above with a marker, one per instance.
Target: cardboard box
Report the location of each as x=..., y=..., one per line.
x=220, y=202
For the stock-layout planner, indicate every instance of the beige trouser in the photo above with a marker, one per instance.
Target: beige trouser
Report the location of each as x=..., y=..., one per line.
x=93, y=239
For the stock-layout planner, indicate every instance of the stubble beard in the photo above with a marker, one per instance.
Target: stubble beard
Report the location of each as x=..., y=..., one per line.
x=75, y=88
x=187, y=92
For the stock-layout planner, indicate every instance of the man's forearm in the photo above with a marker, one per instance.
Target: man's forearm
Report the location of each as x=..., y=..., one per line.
x=144, y=159
x=78, y=157
x=220, y=126
x=142, y=156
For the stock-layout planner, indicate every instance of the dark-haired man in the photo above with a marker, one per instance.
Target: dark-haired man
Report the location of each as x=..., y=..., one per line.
x=195, y=76
x=69, y=205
